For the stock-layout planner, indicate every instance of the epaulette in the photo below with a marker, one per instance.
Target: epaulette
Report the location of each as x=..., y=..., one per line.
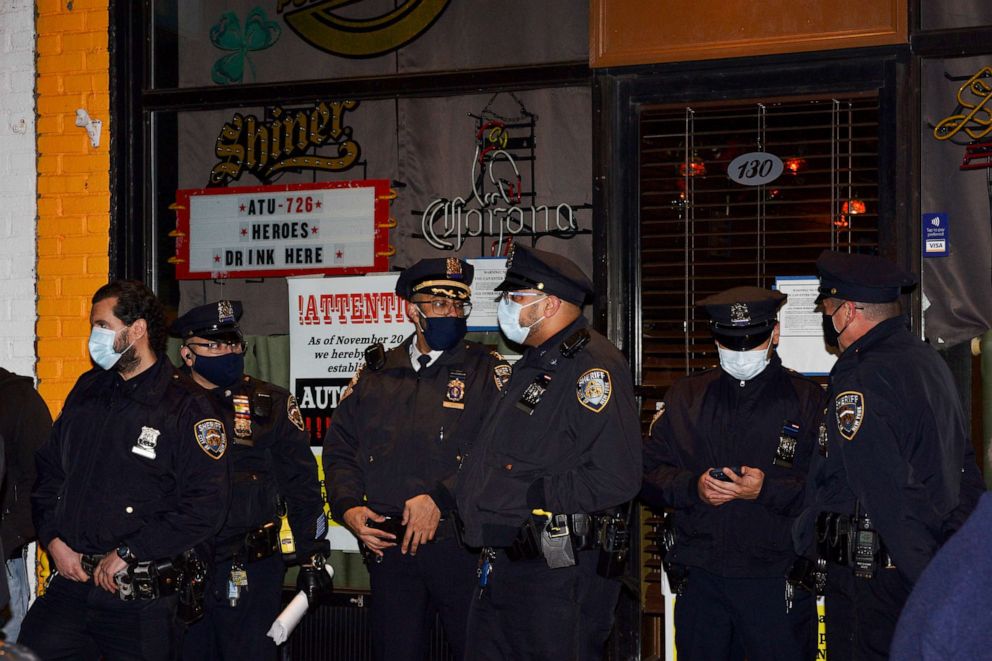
x=375, y=356
x=575, y=342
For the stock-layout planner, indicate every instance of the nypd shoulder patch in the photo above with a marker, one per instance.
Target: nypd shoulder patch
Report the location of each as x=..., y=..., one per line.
x=501, y=370
x=293, y=412
x=211, y=437
x=849, y=408
x=593, y=389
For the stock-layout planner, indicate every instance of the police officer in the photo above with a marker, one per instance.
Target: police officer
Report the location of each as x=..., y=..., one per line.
x=273, y=473
x=728, y=453
x=542, y=488
x=133, y=477
x=392, y=449
x=886, y=488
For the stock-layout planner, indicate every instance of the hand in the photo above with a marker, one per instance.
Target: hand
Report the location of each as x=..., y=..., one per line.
x=749, y=483
x=745, y=486
x=712, y=491
x=420, y=516
x=109, y=566
x=67, y=562
x=376, y=540
x=314, y=581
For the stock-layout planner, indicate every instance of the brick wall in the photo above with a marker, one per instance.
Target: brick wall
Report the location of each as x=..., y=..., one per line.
x=18, y=212
x=73, y=185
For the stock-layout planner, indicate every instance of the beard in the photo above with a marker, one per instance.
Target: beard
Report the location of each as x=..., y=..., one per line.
x=129, y=359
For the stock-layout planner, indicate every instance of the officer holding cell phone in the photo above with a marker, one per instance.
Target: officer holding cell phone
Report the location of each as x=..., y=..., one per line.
x=728, y=453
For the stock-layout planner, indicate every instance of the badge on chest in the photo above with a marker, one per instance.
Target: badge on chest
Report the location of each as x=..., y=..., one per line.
x=533, y=394
x=242, y=420
x=454, y=396
x=145, y=445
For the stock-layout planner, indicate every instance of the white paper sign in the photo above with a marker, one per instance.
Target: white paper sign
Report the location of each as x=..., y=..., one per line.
x=489, y=272
x=801, y=346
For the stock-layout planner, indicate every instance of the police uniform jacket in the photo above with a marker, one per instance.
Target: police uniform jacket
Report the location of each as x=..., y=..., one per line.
x=399, y=432
x=563, y=436
x=710, y=419
x=25, y=425
x=896, y=443
x=270, y=459
x=95, y=491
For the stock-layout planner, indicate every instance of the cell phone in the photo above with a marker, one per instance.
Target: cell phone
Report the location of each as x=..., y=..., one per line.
x=717, y=473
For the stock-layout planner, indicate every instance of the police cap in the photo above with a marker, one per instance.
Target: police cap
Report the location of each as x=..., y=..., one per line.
x=743, y=317
x=861, y=278
x=214, y=320
x=530, y=268
x=449, y=277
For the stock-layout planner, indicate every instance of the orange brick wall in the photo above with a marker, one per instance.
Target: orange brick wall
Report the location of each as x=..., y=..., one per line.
x=73, y=185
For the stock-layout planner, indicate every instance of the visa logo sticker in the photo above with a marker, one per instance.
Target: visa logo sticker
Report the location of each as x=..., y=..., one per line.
x=935, y=235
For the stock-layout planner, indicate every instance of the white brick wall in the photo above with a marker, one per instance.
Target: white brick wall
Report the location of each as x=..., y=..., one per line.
x=18, y=177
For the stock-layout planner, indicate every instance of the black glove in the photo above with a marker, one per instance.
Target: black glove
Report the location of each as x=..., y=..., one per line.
x=314, y=580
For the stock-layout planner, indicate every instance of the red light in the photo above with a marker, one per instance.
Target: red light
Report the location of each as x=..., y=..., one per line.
x=793, y=165
x=852, y=207
x=694, y=168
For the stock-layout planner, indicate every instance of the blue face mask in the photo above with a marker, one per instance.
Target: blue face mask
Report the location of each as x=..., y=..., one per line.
x=222, y=371
x=442, y=333
x=508, y=316
x=101, y=346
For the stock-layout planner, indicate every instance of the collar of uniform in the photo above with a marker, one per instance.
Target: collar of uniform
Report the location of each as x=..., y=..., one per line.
x=416, y=353
x=241, y=386
x=149, y=386
x=877, y=334
x=549, y=349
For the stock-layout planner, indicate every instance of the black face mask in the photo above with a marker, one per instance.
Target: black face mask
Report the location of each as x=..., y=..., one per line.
x=830, y=334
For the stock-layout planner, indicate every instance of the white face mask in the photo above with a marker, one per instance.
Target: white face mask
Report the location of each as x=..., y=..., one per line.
x=508, y=316
x=101, y=346
x=744, y=365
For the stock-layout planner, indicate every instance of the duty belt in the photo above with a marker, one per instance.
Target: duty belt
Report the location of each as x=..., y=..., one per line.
x=586, y=532
x=143, y=580
x=850, y=540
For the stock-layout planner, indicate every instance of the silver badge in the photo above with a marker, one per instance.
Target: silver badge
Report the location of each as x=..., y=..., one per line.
x=145, y=446
x=739, y=314
x=225, y=312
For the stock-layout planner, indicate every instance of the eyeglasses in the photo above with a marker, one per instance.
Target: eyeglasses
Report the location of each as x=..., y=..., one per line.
x=218, y=348
x=517, y=296
x=444, y=306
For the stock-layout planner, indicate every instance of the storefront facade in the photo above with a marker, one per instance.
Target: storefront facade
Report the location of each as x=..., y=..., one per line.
x=600, y=133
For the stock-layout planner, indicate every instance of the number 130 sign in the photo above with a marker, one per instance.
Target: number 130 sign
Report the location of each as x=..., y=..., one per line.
x=755, y=168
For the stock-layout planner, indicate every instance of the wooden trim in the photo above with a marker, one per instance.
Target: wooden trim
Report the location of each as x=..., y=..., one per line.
x=623, y=33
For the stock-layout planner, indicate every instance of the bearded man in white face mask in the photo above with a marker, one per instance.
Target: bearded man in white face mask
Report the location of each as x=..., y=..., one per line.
x=728, y=453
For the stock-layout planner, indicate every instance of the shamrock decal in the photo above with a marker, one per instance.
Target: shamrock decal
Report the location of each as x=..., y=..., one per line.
x=259, y=33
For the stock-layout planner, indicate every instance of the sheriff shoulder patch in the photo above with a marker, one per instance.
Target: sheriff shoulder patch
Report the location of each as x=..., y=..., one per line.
x=850, y=410
x=593, y=389
x=211, y=437
x=293, y=411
